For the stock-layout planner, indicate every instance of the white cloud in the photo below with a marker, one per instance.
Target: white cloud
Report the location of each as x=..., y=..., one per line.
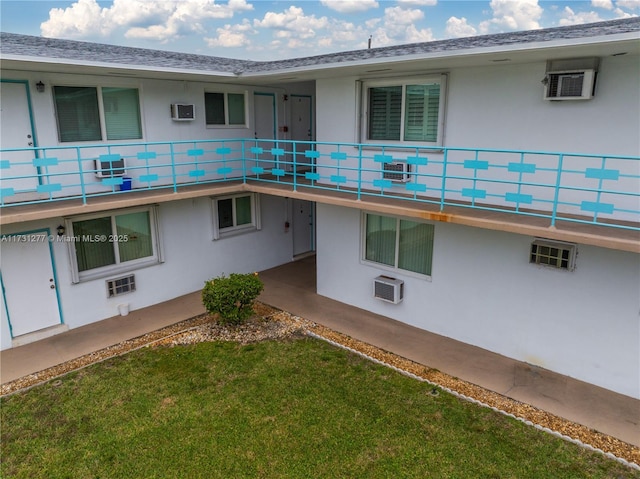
x=345, y=32
x=606, y=4
x=150, y=19
x=344, y=36
x=569, y=17
x=395, y=16
x=350, y=6
x=293, y=22
x=414, y=35
x=629, y=4
x=397, y=26
x=458, y=27
x=232, y=36
x=292, y=29
x=417, y=3
x=372, y=23
x=619, y=13
x=83, y=18
x=513, y=15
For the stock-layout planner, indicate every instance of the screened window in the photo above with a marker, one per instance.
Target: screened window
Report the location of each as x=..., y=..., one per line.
x=81, y=116
x=398, y=243
x=402, y=112
x=225, y=109
x=235, y=214
x=107, y=243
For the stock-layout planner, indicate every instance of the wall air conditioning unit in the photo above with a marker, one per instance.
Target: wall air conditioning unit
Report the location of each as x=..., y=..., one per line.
x=388, y=289
x=183, y=112
x=109, y=168
x=569, y=85
x=396, y=172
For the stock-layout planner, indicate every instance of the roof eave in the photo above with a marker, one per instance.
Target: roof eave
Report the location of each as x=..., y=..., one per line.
x=626, y=41
x=147, y=70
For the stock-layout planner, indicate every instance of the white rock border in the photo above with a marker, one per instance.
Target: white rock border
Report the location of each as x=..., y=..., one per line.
x=621, y=460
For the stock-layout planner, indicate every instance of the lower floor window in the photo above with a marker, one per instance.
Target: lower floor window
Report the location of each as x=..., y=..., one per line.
x=398, y=243
x=235, y=214
x=555, y=254
x=103, y=244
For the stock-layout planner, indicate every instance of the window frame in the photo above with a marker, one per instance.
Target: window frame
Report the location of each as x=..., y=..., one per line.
x=118, y=267
x=366, y=85
x=395, y=268
x=101, y=111
x=254, y=225
x=227, y=125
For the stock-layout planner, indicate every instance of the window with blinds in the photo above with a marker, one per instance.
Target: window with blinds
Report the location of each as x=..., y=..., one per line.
x=404, y=111
x=385, y=110
x=398, y=243
x=108, y=243
x=122, y=113
x=77, y=113
x=80, y=115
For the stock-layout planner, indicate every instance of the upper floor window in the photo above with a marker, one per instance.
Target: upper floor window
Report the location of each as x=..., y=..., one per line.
x=97, y=113
x=225, y=109
x=402, y=111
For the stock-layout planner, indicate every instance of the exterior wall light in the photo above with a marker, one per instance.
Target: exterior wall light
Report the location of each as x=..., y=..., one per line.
x=40, y=87
x=60, y=229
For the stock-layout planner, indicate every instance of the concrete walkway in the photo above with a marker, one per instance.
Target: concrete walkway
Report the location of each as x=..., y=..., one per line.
x=291, y=287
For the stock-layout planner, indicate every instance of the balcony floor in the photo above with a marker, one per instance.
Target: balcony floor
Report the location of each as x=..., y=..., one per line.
x=589, y=234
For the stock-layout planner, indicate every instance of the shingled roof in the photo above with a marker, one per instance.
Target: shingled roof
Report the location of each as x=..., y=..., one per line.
x=15, y=45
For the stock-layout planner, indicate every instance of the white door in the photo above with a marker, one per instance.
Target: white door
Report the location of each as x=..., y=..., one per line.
x=16, y=132
x=301, y=118
x=29, y=284
x=303, y=233
x=301, y=130
x=265, y=126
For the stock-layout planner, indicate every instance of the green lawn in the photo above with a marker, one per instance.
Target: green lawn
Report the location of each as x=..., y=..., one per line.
x=294, y=408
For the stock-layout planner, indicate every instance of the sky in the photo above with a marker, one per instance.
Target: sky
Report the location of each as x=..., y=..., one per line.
x=273, y=30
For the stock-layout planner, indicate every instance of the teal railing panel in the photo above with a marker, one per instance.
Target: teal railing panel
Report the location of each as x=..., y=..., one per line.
x=591, y=189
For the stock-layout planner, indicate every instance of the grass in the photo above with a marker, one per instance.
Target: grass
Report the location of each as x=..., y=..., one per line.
x=277, y=409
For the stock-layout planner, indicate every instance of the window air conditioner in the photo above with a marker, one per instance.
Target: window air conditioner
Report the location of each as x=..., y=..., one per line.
x=569, y=85
x=388, y=289
x=396, y=172
x=109, y=168
x=183, y=112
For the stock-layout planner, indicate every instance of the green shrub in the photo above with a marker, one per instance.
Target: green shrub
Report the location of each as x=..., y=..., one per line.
x=232, y=297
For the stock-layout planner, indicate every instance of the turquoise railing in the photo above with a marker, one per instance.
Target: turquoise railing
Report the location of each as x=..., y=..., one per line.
x=591, y=189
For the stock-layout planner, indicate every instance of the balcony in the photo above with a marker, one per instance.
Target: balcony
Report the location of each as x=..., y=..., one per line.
x=592, y=199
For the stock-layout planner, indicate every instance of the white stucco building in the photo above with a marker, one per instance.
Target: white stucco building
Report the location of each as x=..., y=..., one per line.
x=488, y=186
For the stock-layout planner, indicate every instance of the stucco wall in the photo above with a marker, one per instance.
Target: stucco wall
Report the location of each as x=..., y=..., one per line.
x=156, y=96
x=502, y=107
x=191, y=257
x=483, y=291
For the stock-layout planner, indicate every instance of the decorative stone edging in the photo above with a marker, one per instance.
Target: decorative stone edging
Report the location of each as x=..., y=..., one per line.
x=624, y=450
